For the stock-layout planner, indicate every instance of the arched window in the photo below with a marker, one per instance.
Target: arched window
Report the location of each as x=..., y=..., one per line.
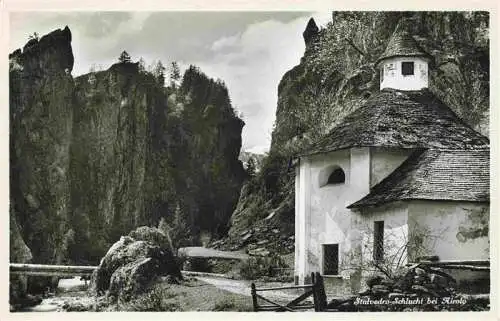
x=331, y=175
x=336, y=177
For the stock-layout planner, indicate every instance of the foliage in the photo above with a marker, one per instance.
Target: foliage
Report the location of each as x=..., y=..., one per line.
x=251, y=167
x=400, y=248
x=175, y=73
x=155, y=300
x=258, y=267
x=124, y=57
x=34, y=36
x=142, y=65
x=178, y=230
x=159, y=73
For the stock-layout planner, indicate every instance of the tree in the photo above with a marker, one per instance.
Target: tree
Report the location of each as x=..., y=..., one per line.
x=175, y=73
x=159, y=72
x=124, y=57
x=142, y=65
x=34, y=36
x=178, y=230
x=251, y=167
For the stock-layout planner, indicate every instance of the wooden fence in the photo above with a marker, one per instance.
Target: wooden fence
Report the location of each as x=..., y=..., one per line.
x=316, y=289
x=51, y=270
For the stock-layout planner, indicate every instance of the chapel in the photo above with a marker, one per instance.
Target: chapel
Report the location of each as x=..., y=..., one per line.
x=399, y=178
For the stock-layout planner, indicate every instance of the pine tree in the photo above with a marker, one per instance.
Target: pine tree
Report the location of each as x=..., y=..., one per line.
x=124, y=57
x=178, y=230
x=175, y=73
x=34, y=36
x=251, y=167
x=159, y=72
x=142, y=65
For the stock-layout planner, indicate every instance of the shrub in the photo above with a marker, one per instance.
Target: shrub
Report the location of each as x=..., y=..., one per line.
x=155, y=300
x=199, y=265
x=258, y=267
x=226, y=304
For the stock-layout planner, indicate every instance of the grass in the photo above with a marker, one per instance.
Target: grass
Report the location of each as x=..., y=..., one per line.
x=191, y=295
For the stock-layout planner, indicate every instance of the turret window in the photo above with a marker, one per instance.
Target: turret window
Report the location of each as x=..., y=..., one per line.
x=407, y=68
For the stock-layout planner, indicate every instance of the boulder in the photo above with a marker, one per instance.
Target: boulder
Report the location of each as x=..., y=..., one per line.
x=373, y=280
x=387, y=282
x=380, y=289
x=132, y=278
x=129, y=256
x=259, y=252
x=420, y=271
x=439, y=280
x=19, y=253
x=153, y=235
x=393, y=295
x=423, y=289
x=365, y=292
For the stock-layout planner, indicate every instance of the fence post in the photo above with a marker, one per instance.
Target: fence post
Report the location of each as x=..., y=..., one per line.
x=314, y=291
x=254, y=298
x=321, y=292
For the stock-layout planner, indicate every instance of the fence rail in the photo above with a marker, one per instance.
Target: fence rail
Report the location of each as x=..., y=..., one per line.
x=50, y=270
x=316, y=289
x=473, y=265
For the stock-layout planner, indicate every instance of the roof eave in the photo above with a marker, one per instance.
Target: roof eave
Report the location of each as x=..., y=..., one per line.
x=428, y=57
x=361, y=204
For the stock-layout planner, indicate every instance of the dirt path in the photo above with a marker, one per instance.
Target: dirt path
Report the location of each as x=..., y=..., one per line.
x=243, y=287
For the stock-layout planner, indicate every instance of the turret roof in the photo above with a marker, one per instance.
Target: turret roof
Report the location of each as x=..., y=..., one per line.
x=402, y=44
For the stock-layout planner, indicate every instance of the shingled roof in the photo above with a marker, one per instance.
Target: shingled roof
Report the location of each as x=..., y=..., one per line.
x=451, y=175
x=401, y=119
x=402, y=44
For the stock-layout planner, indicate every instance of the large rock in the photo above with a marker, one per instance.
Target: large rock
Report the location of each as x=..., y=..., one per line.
x=153, y=235
x=19, y=253
x=129, y=266
x=133, y=278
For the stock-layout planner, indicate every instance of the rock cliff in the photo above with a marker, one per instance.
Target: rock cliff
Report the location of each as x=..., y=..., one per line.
x=95, y=156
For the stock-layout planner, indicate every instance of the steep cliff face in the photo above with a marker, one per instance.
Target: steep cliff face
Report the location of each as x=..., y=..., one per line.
x=109, y=151
x=337, y=74
x=41, y=121
x=204, y=144
x=96, y=156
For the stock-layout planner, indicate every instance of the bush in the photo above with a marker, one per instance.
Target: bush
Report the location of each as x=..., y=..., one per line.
x=198, y=265
x=225, y=305
x=154, y=300
x=260, y=267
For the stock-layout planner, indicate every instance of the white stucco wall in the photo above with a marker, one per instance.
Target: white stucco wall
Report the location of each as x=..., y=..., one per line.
x=395, y=217
x=321, y=217
x=451, y=230
x=384, y=161
x=393, y=77
x=321, y=213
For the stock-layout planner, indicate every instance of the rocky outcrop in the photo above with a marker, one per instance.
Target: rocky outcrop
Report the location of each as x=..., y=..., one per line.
x=130, y=265
x=41, y=121
x=99, y=155
x=20, y=253
x=414, y=288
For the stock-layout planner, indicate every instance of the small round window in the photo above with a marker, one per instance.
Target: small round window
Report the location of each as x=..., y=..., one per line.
x=336, y=177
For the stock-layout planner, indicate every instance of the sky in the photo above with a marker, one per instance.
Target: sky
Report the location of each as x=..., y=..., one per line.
x=249, y=51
